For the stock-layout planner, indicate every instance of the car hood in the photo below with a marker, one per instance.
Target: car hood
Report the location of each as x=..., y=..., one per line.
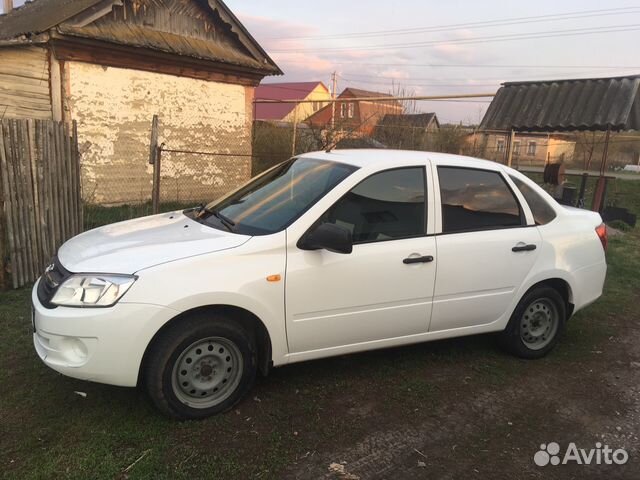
x=127, y=247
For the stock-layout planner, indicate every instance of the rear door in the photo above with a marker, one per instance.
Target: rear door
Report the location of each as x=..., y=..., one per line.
x=486, y=247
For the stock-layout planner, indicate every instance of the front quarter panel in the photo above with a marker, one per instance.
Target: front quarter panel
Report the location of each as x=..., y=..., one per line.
x=236, y=277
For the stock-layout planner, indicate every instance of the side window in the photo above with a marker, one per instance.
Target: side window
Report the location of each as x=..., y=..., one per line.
x=542, y=211
x=387, y=205
x=476, y=200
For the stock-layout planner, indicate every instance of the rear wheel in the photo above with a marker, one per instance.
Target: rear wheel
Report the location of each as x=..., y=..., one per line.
x=200, y=366
x=536, y=324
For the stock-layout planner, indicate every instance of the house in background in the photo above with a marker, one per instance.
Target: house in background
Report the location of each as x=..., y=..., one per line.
x=356, y=116
x=419, y=122
x=289, y=112
x=410, y=131
x=111, y=65
x=528, y=148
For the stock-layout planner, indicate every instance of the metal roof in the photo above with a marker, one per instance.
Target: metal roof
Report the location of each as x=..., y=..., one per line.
x=419, y=120
x=39, y=16
x=282, y=91
x=593, y=104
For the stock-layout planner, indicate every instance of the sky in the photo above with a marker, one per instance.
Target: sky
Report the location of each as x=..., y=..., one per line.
x=424, y=47
x=438, y=48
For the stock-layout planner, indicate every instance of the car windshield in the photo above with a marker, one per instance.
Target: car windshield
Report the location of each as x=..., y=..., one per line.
x=274, y=200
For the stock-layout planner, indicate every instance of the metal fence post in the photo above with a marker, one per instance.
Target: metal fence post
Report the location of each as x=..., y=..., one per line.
x=156, y=179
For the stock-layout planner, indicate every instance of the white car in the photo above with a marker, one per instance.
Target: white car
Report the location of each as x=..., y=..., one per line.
x=328, y=253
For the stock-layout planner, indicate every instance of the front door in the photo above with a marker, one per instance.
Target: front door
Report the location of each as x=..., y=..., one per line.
x=384, y=288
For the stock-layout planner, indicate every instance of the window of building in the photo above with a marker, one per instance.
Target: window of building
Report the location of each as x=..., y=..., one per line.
x=531, y=148
x=476, y=200
x=516, y=147
x=343, y=110
x=386, y=206
x=540, y=208
x=500, y=146
x=316, y=106
x=350, y=110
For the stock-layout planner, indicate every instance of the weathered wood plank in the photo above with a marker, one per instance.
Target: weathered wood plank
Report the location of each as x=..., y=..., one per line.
x=39, y=192
x=29, y=195
x=78, y=176
x=24, y=83
x=21, y=243
x=8, y=217
x=48, y=164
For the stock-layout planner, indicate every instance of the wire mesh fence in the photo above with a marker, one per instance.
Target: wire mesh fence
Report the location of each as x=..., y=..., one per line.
x=206, y=158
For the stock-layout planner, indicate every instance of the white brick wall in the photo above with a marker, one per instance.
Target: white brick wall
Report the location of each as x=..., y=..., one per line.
x=114, y=108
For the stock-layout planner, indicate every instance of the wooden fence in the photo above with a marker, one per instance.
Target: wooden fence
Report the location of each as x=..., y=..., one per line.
x=40, y=196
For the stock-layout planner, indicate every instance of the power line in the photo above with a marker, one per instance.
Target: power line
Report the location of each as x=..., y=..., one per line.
x=401, y=82
x=450, y=79
x=475, y=65
x=468, y=41
x=482, y=24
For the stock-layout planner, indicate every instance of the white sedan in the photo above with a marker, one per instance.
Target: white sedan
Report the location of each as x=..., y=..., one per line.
x=326, y=254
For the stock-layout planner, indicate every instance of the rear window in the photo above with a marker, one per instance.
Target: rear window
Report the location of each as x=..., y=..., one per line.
x=543, y=213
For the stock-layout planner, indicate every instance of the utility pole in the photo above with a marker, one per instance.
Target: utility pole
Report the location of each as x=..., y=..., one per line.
x=8, y=6
x=334, y=87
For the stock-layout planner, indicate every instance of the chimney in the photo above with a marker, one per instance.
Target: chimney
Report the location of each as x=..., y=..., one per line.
x=8, y=6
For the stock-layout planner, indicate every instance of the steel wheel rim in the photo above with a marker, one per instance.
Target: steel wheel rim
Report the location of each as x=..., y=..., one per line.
x=207, y=372
x=539, y=324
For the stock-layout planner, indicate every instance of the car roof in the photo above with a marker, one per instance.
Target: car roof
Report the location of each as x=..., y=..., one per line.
x=380, y=157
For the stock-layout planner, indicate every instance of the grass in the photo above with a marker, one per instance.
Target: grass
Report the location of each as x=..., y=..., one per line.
x=620, y=192
x=49, y=431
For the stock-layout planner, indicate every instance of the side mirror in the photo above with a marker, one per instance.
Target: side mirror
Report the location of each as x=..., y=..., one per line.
x=327, y=236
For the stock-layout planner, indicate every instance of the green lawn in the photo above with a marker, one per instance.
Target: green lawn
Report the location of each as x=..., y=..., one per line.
x=49, y=431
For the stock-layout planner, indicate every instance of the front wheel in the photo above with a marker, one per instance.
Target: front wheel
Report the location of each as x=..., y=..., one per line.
x=536, y=324
x=200, y=366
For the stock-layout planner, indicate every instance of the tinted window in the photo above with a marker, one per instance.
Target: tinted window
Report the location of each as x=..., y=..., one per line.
x=542, y=211
x=271, y=202
x=385, y=206
x=476, y=200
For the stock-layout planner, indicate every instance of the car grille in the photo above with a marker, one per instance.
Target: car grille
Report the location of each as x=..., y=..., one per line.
x=54, y=275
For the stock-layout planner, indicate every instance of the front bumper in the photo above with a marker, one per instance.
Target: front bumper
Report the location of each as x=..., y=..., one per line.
x=103, y=345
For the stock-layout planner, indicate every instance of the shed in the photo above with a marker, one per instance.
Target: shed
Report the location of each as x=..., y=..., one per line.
x=588, y=104
x=111, y=65
x=594, y=104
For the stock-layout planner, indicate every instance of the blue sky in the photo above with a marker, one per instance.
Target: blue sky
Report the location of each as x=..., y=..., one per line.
x=281, y=27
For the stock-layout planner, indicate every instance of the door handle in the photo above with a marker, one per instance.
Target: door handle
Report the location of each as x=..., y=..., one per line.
x=425, y=259
x=524, y=248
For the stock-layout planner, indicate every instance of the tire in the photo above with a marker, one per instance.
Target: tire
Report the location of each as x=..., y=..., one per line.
x=536, y=324
x=201, y=366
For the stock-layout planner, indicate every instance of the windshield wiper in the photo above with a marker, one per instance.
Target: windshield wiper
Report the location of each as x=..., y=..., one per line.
x=224, y=220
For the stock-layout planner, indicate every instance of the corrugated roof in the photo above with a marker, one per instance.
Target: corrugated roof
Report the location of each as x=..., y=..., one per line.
x=39, y=16
x=566, y=105
x=421, y=120
x=281, y=91
x=357, y=92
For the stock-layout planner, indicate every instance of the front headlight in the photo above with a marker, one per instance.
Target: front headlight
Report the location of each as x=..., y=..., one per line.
x=92, y=290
